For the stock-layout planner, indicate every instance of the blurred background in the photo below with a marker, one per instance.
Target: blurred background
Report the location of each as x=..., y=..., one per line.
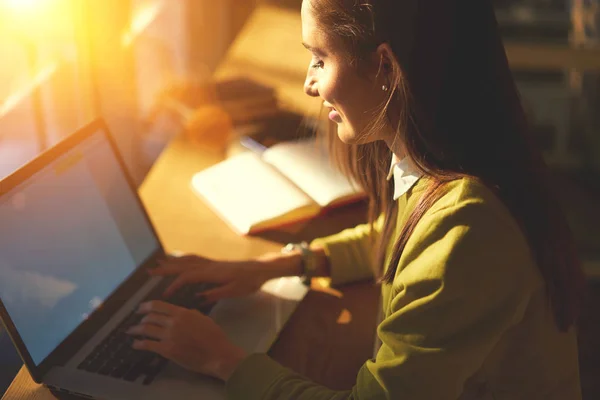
x=64, y=62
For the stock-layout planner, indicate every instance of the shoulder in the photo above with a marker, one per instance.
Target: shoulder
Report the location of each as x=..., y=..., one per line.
x=469, y=232
x=467, y=192
x=471, y=203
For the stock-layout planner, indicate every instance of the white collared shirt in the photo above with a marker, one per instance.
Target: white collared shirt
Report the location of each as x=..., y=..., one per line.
x=404, y=176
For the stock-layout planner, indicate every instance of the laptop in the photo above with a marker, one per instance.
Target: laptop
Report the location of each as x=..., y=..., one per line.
x=75, y=247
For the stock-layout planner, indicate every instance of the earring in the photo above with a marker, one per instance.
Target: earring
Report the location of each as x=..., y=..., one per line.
x=385, y=88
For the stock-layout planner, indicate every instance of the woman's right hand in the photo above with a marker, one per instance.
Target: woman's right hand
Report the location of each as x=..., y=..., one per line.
x=233, y=278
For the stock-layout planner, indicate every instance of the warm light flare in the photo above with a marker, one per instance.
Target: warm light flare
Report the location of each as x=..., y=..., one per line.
x=35, y=20
x=42, y=76
x=142, y=18
x=24, y=5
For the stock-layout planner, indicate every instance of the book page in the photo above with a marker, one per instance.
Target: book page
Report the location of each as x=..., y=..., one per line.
x=248, y=193
x=307, y=164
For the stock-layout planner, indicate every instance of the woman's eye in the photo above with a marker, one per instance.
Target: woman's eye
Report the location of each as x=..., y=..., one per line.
x=317, y=64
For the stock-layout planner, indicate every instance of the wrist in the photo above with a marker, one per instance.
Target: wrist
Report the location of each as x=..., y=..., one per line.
x=277, y=265
x=308, y=261
x=230, y=363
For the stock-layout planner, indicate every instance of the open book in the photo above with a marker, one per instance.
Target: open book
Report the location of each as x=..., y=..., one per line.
x=288, y=182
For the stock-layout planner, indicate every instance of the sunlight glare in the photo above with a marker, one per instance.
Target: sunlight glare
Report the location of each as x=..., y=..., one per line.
x=37, y=20
x=40, y=77
x=142, y=18
x=24, y=5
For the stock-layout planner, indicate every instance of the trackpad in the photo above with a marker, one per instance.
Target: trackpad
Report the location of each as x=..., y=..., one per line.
x=254, y=322
x=187, y=384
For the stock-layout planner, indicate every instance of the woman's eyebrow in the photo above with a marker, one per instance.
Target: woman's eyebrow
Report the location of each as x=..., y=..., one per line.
x=314, y=49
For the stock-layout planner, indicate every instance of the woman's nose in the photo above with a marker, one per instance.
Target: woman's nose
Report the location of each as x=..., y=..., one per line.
x=310, y=84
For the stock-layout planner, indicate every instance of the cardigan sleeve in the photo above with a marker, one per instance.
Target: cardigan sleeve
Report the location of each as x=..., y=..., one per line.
x=464, y=279
x=350, y=252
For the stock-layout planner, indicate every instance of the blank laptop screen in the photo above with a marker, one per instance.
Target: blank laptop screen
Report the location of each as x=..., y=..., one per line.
x=69, y=236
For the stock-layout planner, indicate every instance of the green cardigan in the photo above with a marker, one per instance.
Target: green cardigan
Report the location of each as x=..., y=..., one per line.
x=466, y=316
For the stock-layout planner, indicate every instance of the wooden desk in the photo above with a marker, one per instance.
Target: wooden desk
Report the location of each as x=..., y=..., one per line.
x=331, y=334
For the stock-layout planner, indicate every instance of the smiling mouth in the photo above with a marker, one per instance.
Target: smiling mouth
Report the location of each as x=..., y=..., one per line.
x=334, y=115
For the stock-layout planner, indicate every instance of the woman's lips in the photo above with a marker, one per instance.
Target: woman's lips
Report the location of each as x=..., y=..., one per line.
x=335, y=116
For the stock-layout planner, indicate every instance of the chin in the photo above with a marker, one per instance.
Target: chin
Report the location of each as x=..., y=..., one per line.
x=349, y=136
x=346, y=135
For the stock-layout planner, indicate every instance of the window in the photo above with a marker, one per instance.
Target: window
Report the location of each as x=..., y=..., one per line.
x=18, y=134
x=43, y=87
x=64, y=62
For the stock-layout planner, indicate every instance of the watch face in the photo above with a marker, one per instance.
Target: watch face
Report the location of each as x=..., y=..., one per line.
x=289, y=247
x=308, y=260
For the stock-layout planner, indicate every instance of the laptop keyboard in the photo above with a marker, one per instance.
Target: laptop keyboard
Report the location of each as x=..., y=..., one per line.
x=115, y=357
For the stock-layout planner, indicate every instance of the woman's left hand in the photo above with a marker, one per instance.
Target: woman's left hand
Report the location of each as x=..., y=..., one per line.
x=188, y=338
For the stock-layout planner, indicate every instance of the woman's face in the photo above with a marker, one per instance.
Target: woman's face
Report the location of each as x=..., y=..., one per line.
x=352, y=100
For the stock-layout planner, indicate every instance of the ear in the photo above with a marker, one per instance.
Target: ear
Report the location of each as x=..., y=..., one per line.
x=383, y=61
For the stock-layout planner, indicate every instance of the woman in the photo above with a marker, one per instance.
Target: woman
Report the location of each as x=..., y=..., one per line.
x=480, y=280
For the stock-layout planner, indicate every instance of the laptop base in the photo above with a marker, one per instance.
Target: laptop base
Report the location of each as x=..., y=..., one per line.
x=252, y=323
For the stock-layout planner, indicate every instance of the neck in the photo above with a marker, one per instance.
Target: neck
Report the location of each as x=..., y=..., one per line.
x=396, y=146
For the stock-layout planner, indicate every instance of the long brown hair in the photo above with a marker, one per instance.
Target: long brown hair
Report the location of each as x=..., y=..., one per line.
x=459, y=116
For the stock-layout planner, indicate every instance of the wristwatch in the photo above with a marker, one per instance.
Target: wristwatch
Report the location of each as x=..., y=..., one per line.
x=308, y=262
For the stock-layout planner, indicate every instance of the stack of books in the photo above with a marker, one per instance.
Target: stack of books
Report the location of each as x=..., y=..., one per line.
x=245, y=100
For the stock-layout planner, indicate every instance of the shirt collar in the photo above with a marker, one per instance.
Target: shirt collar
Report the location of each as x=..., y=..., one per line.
x=404, y=176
